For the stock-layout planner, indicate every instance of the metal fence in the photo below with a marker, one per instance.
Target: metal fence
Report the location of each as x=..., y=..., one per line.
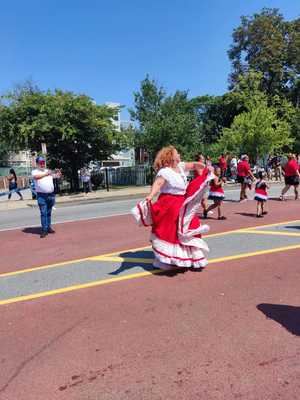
x=19, y=170
x=108, y=177
x=140, y=175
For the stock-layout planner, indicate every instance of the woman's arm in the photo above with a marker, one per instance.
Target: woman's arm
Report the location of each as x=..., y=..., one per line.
x=194, y=165
x=157, y=184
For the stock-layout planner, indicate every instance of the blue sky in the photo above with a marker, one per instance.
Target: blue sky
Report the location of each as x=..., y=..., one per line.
x=105, y=48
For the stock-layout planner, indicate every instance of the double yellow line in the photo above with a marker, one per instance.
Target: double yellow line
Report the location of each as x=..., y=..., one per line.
x=115, y=257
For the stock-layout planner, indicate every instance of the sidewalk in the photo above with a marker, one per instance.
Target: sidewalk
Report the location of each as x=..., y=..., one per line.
x=133, y=192
x=137, y=192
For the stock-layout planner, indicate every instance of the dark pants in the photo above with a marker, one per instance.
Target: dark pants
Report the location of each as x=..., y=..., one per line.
x=13, y=188
x=86, y=187
x=46, y=201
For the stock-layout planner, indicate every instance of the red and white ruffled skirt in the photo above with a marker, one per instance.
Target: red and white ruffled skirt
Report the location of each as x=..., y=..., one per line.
x=176, y=228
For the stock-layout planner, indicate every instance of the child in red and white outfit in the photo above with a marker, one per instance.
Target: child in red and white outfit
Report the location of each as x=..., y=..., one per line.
x=216, y=193
x=261, y=195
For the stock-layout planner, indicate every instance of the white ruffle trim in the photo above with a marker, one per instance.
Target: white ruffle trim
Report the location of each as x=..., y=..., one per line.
x=217, y=194
x=179, y=255
x=190, y=208
x=261, y=196
x=142, y=213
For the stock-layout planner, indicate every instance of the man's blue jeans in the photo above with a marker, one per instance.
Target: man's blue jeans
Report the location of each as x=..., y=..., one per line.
x=46, y=201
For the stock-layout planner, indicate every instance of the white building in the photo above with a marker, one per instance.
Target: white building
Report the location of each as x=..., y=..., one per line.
x=126, y=157
x=22, y=158
x=117, y=120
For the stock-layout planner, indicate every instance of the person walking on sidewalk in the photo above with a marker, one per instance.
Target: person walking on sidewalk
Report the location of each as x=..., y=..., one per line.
x=43, y=180
x=13, y=184
x=85, y=177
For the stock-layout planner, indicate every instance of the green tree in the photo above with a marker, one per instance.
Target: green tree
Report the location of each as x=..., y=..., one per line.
x=257, y=132
x=75, y=129
x=215, y=113
x=4, y=140
x=165, y=119
x=295, y=129
x=266, y=43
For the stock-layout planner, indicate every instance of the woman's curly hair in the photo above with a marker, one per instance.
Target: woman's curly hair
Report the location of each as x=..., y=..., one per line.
x=164, y=158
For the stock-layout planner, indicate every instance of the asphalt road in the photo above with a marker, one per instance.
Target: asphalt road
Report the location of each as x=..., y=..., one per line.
x=29, y=217
x=78, y=323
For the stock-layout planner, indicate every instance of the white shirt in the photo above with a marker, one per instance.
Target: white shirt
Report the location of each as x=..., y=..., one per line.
x=45, y=184
x=176, y=182
x=233, y=162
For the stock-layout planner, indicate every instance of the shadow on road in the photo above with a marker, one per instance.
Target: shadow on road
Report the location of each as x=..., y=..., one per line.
x=287, y=316
x=231, y=201
x=35, y=230
x=292, y=227
x=245, y=214
x=146, y=265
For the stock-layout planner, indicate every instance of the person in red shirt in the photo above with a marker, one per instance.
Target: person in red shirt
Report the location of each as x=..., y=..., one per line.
x=244, y=176
x=223, y=165
x=291, y=176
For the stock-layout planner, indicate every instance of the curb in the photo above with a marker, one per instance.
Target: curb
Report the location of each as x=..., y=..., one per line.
x=96, y=200
x=116, y=197
x=75, y=202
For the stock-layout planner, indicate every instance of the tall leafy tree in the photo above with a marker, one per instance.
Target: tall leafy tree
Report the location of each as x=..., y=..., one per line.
x=215, y=113
x=257, y=132
x=266, y=43
x=262, y=128
x=75, y=129
x=166, y=119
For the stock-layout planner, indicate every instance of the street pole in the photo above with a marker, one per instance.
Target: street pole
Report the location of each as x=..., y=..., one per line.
x=106, y=179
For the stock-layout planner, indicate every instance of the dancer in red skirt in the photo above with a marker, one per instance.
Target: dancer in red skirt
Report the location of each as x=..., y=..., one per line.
x=216, y=193
x=176, y=228
x=261, y=195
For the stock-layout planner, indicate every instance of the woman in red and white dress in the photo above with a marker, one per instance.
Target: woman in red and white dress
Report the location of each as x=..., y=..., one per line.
x=216, y=194
x=176, y=228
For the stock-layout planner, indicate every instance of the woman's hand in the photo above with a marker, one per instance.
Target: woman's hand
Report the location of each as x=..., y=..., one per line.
x=157, y=184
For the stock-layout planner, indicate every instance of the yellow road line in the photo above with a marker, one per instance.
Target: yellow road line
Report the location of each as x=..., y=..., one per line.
x=276, y=233
x=254, y=253
x=138, y=275
x=212, y=260
x=77, y=287
x=100, y=257
x=273, y=224
x=125, y=259
x=251, y=228
x=33, y=269
x=74, y=261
